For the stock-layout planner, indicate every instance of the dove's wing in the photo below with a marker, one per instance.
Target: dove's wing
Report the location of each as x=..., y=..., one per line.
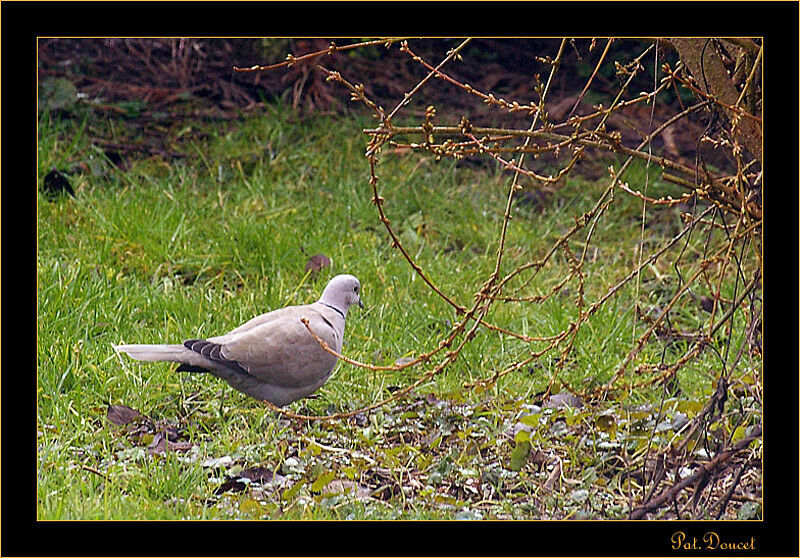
x=250, y=324
x=280, y=350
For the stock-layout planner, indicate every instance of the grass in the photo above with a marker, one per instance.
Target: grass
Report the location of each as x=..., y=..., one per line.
x=167, y=250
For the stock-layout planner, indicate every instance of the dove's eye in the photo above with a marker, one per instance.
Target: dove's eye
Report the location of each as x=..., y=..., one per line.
x=355, y=289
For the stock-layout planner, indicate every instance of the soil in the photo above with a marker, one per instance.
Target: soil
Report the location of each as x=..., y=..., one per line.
x=151, y=82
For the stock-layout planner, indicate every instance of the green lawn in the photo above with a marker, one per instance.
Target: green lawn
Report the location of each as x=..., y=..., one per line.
x=171, y=249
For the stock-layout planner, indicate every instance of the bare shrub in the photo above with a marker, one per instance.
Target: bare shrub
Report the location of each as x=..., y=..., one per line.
x=720, y=202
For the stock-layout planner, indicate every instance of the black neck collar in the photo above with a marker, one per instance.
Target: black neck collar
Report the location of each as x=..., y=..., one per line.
x=334, y=309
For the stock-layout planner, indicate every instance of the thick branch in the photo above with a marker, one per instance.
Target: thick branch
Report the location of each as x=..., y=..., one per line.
x=706, y=67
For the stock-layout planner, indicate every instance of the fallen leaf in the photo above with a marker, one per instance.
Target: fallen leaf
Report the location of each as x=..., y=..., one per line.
x=341, y=486
x=316, y=263
x=247, y=477
x=56, y=183
x=553, y=478
x=563, y=400
x=322, y=481
x=161, y=444
x=519, y=455
x=122, y=415
x=539, y=457
x=217, y=462
x=291, y=492
x=251, y=507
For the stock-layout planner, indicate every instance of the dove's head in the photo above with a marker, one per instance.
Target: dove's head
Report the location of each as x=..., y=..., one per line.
x=341, y=292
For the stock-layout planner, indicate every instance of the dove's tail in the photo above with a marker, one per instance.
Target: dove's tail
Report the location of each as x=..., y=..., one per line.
x=155, y=353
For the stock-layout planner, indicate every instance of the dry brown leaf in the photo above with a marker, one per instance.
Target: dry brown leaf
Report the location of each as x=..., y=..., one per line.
x=316, y=263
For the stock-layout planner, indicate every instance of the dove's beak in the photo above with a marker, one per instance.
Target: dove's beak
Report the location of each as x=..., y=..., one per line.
x=360, y=304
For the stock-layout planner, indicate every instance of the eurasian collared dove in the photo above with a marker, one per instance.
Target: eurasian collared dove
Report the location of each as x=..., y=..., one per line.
x=272, y=357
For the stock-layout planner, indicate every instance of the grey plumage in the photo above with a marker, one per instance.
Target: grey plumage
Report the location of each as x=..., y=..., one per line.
x=272, y=357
